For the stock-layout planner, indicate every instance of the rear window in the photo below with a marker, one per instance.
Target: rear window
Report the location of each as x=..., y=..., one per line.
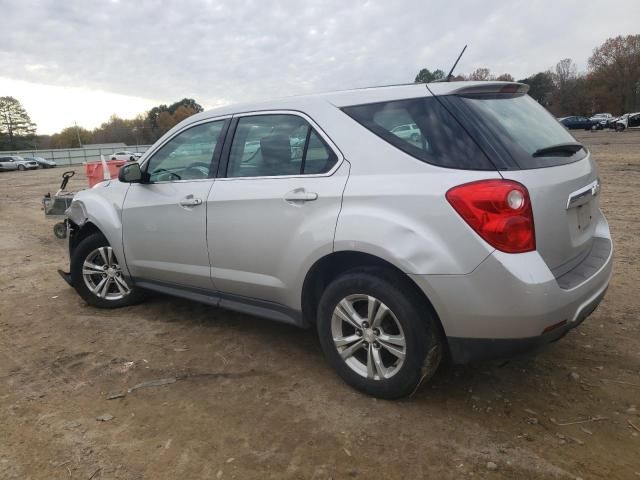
x=519, y=126
x=424, y=129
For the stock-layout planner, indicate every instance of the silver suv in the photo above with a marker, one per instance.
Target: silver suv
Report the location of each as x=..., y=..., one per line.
x=482, y=238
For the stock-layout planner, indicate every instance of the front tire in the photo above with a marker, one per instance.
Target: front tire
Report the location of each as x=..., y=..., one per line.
x=97, y=276
x=380, y=336
x=21, y=168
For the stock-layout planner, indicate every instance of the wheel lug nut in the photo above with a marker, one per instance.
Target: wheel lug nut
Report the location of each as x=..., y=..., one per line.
x=359, y=333
x=376, y=331
x=365, y=324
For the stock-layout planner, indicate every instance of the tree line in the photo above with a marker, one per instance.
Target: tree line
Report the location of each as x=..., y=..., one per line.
x=611, y=83
x=17, y=131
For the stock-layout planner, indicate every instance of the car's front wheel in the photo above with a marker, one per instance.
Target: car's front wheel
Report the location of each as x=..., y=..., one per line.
x=21, y=168
x=378, y=334
x=97, y=276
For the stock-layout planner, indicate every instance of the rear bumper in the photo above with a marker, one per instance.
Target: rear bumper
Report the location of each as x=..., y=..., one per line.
x=467, y=350
x=509, y=303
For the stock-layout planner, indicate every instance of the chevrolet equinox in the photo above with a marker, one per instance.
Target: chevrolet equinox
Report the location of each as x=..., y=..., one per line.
x=480, y=236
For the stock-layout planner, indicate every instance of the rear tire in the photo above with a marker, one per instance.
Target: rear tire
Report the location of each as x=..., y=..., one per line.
x=96, y=275
x=397, y=344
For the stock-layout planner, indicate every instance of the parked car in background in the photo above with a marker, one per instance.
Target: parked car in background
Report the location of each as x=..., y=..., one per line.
x=8, y=163
x=43, y=162
x=125, y=155
x=409, y=131
x=602, y=119
x=578, y=123
x=370, y=238
x=24, y=164
x=628, y=120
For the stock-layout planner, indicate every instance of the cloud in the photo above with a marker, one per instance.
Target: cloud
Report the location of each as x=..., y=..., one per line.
x=222, y=51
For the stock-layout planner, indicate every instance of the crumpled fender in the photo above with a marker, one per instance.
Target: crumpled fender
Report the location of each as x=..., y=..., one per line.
x=102, y=207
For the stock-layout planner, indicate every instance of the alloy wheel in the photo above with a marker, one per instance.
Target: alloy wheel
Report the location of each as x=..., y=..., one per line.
x=368, y=337
x=103, y=276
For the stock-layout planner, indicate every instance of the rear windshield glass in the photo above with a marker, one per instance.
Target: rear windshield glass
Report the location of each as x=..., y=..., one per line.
x=424, y=129
x=522, y=127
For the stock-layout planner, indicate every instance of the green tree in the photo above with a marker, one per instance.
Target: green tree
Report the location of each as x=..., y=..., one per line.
x=161, y=118
x=15, y=124
x=427, y=76
x=614, y=76
x=541, y=87
x=71, y=137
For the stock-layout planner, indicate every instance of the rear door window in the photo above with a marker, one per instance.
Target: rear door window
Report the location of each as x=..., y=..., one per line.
x=424, y=129
x=277, y=145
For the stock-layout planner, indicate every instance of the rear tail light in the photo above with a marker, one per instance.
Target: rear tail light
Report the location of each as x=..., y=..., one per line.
x=497, y=210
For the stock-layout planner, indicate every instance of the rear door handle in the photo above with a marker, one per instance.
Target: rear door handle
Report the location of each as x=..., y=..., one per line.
x=190, y=201
x=300, y=195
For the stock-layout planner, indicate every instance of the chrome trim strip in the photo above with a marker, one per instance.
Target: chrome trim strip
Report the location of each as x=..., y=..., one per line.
x=584, y=194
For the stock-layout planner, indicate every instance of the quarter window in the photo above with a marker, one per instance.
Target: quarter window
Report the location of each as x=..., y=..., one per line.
x=187, y=156
x=424, y=129
x=277, y=145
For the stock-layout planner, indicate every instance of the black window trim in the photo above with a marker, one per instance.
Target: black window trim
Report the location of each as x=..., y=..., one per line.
x=322, y=136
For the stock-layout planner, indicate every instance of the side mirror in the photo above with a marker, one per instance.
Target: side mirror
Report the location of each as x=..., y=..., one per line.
x=130, y=173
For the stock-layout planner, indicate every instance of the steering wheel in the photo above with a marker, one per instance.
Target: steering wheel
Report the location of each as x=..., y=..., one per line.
x=200, y=168
x=171, y=175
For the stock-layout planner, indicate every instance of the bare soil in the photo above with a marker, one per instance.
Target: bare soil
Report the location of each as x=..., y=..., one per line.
x=242, y=397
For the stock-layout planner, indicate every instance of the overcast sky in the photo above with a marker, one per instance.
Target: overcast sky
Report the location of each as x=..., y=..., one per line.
x=73, y=60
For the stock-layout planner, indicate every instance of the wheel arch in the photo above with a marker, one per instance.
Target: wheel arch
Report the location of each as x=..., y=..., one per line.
x=80, y=232
x=329, y=267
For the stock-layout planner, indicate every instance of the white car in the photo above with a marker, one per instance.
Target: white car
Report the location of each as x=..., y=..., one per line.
x=125, y=155
x=409, y=131
x=8, y=163
x=602, y=119
x=628, y=120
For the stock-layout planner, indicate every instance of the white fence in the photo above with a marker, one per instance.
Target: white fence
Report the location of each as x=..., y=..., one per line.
x=71, y=156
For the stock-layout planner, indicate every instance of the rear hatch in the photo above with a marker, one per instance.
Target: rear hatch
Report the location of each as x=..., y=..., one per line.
x=528, y=145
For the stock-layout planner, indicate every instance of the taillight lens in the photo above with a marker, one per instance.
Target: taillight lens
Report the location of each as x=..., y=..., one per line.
x=499, y=211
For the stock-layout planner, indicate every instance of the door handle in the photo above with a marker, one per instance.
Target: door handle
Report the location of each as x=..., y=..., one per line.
x=300, y=195
x=190, y=201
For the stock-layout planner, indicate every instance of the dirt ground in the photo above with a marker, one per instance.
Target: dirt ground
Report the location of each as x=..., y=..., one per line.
x=254, y=399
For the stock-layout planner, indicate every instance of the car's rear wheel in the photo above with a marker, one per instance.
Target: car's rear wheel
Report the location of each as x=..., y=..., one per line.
x=97, y=276
x=378, y=334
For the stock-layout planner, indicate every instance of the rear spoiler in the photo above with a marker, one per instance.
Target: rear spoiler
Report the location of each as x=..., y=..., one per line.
x=491, y=87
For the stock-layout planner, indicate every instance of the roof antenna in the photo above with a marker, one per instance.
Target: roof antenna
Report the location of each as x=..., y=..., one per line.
x=450, y=76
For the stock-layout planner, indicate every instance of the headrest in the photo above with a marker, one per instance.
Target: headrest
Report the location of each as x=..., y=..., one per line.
x=276, y=149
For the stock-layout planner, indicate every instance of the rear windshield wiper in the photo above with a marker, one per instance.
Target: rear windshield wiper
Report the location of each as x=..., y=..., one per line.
x=560, y=148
